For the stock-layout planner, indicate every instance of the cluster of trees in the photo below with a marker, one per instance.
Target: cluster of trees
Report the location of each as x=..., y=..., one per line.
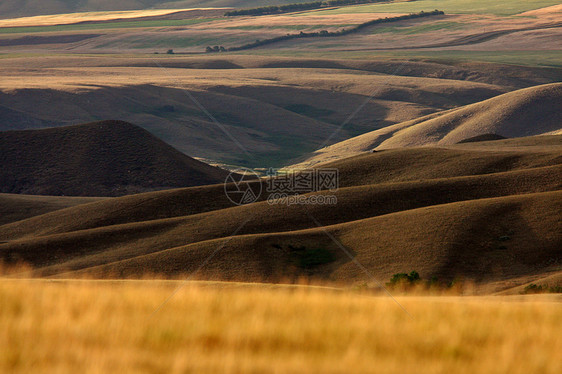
x=398, y=278
x=216, y=48
x=351, y=2
x=325, y=33
x=275, y=9
x=534, y=288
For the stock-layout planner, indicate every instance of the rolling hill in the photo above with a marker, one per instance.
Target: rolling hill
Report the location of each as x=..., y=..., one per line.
x=486, y=214
x=107, y=158
x=277, y=108
x=527, y=112
x=17, y=207
x=445, y=132
x=520, y=113
x=15, y=8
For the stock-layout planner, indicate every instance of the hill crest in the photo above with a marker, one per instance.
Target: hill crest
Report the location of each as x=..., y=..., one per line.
x=107, y=158
x=522, y=113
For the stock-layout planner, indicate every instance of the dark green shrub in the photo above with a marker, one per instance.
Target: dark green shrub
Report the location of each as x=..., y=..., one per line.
x=555, y=289
x=535, y=288
x=403, y=278
x=311, y=258
x=399, y=278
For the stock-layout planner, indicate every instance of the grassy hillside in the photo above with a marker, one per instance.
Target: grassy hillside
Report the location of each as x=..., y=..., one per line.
x=521, y=113
x=17, y=207
x=20, y=120
x=500, y=7
x=458, y=240
x=106, y=158
x=15, y=8
x=98, y=19
x=276, y=108
x=526, y=112
x=487, y=211
x=400, y=169
x=433, y=209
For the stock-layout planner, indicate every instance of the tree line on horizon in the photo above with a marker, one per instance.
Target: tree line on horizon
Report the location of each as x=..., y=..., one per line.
x=275, y=9
x=325, y=33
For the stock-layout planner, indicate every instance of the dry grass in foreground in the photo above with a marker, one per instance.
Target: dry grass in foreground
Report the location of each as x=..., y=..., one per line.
x=105, y=326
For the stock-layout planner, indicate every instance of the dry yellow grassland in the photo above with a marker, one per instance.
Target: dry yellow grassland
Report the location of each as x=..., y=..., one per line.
x=123, y=326
x=70, y=18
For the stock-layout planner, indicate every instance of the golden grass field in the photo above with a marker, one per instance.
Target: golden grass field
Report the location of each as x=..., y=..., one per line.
x=70, y=18
x=128, y=327
x=96, y=285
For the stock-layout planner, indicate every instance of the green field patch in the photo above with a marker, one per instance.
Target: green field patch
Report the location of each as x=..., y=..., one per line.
x=498, y=7
x=289, y=27
x=290, y=147
x=161, y=44
x=529, y=58
x=420, y=29
x=525, y=58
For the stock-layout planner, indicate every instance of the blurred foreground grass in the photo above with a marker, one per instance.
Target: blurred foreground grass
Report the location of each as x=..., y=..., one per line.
x=104, y=326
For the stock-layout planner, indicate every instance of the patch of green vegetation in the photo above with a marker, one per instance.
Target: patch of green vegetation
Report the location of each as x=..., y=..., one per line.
x=404, y=278
x=289, y=27
x=420, y=29
x=525, y=58
x=497, y=7
x=290, y=148
x=312, y=258
x=259, y=27
x=545, y=288
x=162, y=43
x=407, y=281
x=529, y=58
x=104, y=26
x=339, y=33
x=309, y=259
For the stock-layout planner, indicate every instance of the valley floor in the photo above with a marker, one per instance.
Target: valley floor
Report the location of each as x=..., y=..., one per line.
x=147, y=327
